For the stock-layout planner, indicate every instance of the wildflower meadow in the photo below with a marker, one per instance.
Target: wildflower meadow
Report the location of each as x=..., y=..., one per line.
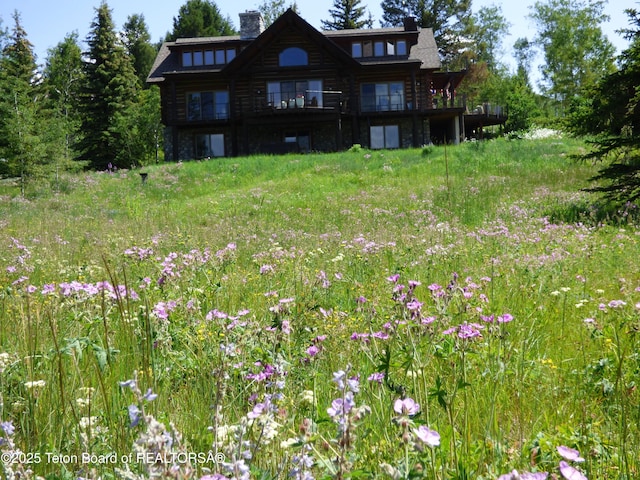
x=448, y=312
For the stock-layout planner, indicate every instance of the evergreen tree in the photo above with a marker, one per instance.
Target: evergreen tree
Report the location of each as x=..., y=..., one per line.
x=347, y=14
x=200, y=18
x=21, y=128
x=521, y=103
x=3, y=36
x=19, y=61
x=450, y=20
x=109, y=90
x=610, y=113
x=137, y=42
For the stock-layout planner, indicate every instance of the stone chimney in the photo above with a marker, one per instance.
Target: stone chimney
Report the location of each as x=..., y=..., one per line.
x=251, y=25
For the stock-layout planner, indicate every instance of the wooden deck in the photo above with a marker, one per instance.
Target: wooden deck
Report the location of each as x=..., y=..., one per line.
x=486, y=115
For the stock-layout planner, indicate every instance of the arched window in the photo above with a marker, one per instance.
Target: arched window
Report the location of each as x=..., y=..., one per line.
x=293, y=56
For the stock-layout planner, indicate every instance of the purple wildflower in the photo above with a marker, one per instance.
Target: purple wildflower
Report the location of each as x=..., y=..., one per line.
x=414, y=305
x=341, y=406
x=216, y=314
x=353, y=383
x=569, y=454
x=313, y=350
x=571, y=473
x=617, y=303
x=427, y=320
x=406, y=406
x=264, y=269
x=427, y=436
x=8, y=428
x=380, y=335
x=286, y=327
x=376, y=377
x=150, y=396
x=338, y=378
x=514, y=475
x=128, y=384
x=135, y=415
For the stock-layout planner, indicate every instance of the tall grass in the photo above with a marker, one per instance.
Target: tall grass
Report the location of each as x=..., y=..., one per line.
x=475, y=281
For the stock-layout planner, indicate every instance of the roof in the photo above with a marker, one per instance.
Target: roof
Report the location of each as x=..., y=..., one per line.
x=365, y=32
x=424, y=52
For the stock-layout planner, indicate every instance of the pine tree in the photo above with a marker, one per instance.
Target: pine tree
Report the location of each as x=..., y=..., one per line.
x=347, y=14
x=200, y=18
x=21, y=129
x=609, y=112
x=137, y=42
x=110, y=88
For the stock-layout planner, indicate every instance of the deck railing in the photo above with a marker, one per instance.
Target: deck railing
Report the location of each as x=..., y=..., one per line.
x=336, y=101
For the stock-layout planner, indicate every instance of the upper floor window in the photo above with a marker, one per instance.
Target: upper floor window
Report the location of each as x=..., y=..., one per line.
x=218, y=56
x=379, y=48
x=293, y=56
x=208, y=105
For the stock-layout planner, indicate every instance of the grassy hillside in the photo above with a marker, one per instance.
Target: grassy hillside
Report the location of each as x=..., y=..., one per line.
x=322, y=316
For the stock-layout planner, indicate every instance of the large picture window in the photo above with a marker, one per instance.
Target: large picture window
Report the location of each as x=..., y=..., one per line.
x=295, y=93
x=209, y=145
x=382, y=97
x=385, y=136
x=208, y=106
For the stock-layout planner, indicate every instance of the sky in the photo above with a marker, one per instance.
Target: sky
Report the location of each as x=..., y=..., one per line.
x=47, y=22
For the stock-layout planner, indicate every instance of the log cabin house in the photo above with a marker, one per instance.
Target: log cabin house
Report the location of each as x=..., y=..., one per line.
x=291, y=87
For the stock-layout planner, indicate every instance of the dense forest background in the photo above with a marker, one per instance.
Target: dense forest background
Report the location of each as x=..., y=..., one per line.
x=93, y=109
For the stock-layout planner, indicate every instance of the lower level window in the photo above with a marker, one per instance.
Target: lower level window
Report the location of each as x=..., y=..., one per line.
x=210, y=145
x=302, y=138
x=385, y=136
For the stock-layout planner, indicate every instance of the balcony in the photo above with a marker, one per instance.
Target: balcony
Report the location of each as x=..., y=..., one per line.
x=332, y=101
x=318, y=101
